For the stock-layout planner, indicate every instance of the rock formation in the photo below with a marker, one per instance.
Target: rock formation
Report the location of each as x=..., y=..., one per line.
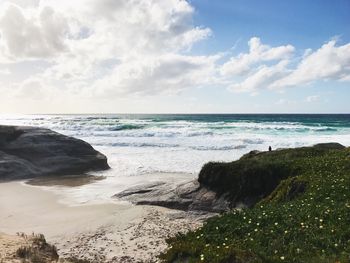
x=223, y=186
x=28, y=152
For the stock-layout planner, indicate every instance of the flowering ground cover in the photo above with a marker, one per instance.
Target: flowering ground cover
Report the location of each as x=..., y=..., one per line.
x=305, y=219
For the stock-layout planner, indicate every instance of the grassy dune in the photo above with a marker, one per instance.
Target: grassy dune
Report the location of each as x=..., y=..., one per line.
x=301, y=215
x=32, y=248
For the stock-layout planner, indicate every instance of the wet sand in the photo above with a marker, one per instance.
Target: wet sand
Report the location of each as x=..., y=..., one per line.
x=65, y=180
x=109, y=232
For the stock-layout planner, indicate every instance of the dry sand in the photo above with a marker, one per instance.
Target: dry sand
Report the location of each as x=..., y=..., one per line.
x=110, y=232
x=8, y=246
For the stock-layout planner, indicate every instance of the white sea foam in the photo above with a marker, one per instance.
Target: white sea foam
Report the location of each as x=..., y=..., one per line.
x=149, y=149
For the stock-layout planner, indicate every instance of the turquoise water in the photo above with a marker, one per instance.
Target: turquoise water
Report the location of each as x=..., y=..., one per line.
x=142, y=148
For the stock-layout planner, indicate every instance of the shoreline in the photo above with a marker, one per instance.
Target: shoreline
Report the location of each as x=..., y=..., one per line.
x=107, y=232
x=64, y=180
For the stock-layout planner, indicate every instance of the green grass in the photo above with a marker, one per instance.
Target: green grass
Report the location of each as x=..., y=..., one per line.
x=305, y=219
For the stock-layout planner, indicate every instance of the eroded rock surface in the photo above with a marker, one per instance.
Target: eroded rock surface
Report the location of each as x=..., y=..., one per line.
x=187, y=196
x=28, y=152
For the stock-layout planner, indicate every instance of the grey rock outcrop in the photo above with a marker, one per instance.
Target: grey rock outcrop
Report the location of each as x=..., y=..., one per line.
x=223, y=186
x=28, y=152
x=187, y=196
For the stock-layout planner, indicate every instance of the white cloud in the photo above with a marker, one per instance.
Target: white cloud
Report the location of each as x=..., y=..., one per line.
x=151, y=75
x=258, y=52
x=99, y=29
x=31, y=88
x=312, y=98
x=114, y=48
x=281, y=102
x=262, y=78
x=286, y=102
x=31, y=33
x=5, y=71
x=330, y=62
x=24, y=3
x=117, y=47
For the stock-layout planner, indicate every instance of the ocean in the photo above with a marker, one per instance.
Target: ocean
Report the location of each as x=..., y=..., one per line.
x=161, y=147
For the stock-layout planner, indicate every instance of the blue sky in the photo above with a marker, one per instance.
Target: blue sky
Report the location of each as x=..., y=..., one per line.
x=306, y=24
x=174, y=56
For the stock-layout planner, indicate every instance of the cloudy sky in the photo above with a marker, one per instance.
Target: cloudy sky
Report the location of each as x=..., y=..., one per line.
x=174, y=56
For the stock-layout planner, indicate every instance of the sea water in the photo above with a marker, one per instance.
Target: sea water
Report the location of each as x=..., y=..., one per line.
x=144, y=148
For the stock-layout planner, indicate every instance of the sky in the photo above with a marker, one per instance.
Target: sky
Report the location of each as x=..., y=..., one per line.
x=174, y=56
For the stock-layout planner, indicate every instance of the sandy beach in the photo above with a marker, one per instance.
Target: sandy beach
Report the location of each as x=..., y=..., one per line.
x=109, y=232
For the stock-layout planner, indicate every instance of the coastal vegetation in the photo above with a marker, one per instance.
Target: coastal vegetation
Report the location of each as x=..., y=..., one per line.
x=36, y=249
x=32, y=248
x=297, y=209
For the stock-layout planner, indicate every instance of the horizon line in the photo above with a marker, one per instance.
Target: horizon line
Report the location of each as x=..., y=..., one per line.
x=224, y=113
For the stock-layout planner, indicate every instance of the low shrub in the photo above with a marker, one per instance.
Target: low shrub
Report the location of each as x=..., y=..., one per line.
x=305, y=218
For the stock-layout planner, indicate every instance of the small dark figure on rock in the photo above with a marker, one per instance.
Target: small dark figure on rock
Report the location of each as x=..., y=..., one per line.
x=270, y=149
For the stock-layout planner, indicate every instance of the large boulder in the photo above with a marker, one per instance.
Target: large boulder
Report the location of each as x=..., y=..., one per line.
x=28, y=152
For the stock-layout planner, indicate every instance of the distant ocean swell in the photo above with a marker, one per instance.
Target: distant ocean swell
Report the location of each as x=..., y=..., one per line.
x=138, y=146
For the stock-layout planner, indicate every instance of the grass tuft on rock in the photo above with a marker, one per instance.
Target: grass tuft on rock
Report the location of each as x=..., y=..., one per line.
x=304, y=217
